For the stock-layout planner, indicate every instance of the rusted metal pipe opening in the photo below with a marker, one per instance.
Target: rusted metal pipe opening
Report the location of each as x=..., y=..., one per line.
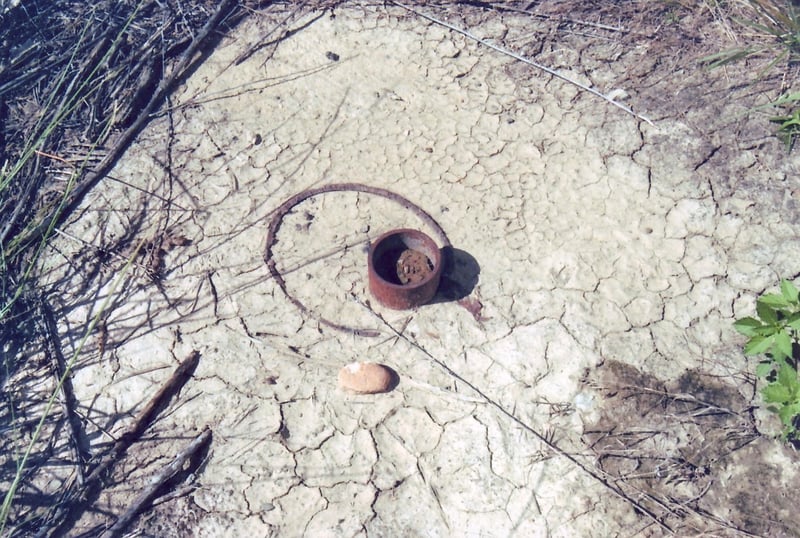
x=405, y=267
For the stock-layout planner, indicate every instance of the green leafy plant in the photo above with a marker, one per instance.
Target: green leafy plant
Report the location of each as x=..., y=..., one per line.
x=789, y=124
x=775, y=333
x=779, y=22
x=776, y=19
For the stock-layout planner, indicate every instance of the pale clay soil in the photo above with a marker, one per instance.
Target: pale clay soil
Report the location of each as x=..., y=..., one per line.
x=604, y=260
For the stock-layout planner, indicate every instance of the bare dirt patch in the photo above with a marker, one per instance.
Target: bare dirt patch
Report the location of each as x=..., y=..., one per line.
x=689, y=447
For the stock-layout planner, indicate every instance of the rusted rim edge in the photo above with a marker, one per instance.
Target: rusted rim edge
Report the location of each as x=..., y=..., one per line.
x=283, y=209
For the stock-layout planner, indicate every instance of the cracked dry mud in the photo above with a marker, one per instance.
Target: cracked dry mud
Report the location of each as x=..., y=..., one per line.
x=613, y=256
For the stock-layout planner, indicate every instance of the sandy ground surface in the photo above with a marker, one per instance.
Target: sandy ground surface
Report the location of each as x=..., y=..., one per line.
x=580, y=378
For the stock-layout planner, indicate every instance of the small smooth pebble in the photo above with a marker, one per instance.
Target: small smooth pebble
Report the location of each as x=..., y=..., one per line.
x=366, y=378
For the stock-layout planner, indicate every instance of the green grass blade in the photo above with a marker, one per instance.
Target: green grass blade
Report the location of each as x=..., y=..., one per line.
x=5, y=509
x=727, y=56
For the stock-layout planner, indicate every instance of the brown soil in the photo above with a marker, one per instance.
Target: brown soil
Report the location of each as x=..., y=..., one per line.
x=413, y=267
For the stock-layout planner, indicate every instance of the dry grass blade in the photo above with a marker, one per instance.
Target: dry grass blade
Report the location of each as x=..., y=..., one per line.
x=777, y=27
x=21, y=463
x=69, y=105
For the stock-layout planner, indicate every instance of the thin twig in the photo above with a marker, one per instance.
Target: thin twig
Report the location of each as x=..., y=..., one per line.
x=682, y=397
x=98, y=250
x=67, y=514
x=262, y=42
x=43, y=129
x=155, y=195
x=525, y=60
x=703, y=514
x=148, y=414
x=156, y=483
x=577, y=22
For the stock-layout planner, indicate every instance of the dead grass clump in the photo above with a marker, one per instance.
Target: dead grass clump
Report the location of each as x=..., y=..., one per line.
x=766, y=32
x=78, y=81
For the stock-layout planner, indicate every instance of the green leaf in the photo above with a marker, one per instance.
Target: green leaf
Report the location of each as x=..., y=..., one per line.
x=789, y=291
x=775, y=393
x=783, y=344
x=788, y=412
x=764, y=368
x=766, y=311
x=766, y=330
x=747, y=326
x=794, y=321
x=758, y=344
x=787, y=376
x=772, y=300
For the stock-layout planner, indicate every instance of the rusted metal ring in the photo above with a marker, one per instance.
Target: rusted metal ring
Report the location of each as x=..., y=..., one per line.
x=405, y=267
x=281, y=211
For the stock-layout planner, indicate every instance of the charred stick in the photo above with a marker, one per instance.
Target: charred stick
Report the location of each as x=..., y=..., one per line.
x=156, y=483
x=148, y=414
